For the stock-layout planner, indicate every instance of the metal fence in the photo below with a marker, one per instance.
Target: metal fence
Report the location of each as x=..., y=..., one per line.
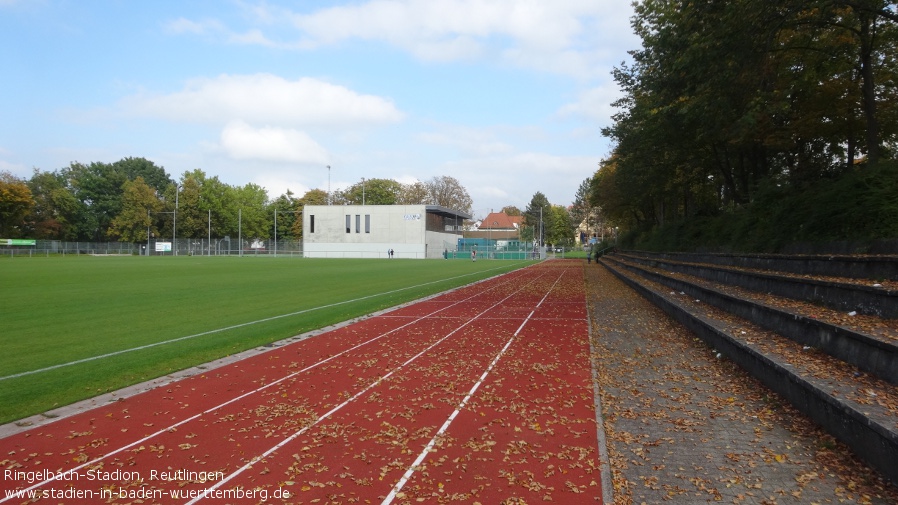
x=489, y=249
x=181, y=247
x=232, y=247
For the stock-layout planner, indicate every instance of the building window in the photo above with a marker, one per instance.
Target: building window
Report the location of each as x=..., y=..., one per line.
x=312, y=223
x=347, y=222
x=358, y=223
x=367, y=223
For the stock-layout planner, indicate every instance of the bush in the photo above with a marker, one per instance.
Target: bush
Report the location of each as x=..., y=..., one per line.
x=859, y=208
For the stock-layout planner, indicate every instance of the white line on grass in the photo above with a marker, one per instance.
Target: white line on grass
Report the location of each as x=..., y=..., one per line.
x=219, y=330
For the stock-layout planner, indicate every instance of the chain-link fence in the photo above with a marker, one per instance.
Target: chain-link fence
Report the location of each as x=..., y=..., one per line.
x=228, y=246
x=182, y=247
x=479, y=248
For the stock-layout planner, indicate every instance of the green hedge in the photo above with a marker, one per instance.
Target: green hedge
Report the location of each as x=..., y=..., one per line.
x=857, y=208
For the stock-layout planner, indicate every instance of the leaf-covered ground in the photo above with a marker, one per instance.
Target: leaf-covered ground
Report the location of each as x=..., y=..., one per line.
x=684, y=426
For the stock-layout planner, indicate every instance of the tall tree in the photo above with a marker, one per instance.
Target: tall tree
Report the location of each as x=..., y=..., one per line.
x=152, y=175
x=581, y=211
x=613, y=196
x=135, y=222
x=872, y=25
x=98, y=186
x=559, y=226
x=55, y=213
x=193, y=215
x=447, y=192
x=413, y=194
x=256, y=218
x=15, y=204
x=99, y=189
x=287, y=212
x=373, y=192
x=220, y=200
x=726, y=97
x=535, y=216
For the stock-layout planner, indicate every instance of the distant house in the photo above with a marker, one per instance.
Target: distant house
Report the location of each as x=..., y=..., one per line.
x=497, y=226
x=593, y=225
x=370, y=231
x=498, y=236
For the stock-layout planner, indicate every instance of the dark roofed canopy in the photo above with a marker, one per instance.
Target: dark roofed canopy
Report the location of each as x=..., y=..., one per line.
x=447, y=213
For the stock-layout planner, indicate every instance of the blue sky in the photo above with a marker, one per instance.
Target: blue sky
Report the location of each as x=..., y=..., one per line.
x=507, y=96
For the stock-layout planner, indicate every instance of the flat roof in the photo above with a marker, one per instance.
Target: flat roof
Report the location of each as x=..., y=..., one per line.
x=446, y=212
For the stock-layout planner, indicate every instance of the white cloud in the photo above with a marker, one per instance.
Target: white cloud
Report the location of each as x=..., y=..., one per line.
x=214, y=28
x=407, y=22
x=469, y=141
x=279, y=182
x=182, y=25
x=593, y=104
x=265, y=98
x=252, y=37
x=558, y=36
x=16, y=169
x=243, y=142
x=407, y=179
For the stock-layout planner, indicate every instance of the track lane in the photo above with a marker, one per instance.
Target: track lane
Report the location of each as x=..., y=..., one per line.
x=391, y=392
x=374, y=447
x=529, y=434
x=360, y=450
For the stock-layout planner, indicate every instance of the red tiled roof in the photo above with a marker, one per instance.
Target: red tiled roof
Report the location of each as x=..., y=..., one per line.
x=500, y=221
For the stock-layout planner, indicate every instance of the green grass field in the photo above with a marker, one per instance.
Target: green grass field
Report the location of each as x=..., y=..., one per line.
x=54, y=311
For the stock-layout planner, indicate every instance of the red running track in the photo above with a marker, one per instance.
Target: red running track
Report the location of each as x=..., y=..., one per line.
x=482, y=394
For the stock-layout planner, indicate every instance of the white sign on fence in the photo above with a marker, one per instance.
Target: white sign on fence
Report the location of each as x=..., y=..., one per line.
x=163, y=246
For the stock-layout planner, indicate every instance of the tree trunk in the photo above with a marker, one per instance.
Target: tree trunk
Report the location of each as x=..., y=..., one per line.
x=868, y=87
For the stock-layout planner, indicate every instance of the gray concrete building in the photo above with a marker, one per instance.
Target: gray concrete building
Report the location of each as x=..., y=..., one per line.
x=370, y=231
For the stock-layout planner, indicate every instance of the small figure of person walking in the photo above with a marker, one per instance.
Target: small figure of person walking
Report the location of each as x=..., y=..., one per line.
x=473, y=254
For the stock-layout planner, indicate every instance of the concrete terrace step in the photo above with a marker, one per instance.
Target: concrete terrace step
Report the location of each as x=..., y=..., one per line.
x=853, y=407
x=864, y=298
x=872, y=354
x=880, y=267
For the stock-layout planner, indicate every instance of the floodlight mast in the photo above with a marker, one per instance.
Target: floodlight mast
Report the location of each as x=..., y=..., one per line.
x=174, y=226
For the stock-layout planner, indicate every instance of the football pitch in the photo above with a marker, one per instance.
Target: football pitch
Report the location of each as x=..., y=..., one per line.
x=75, y=327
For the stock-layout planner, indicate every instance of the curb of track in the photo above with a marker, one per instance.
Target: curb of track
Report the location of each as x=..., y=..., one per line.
x=604, y=459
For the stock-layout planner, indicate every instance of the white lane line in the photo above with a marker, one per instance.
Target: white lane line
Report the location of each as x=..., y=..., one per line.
x=228, y=328
x=299, y=433
x=244, y=395
x=430, y=445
